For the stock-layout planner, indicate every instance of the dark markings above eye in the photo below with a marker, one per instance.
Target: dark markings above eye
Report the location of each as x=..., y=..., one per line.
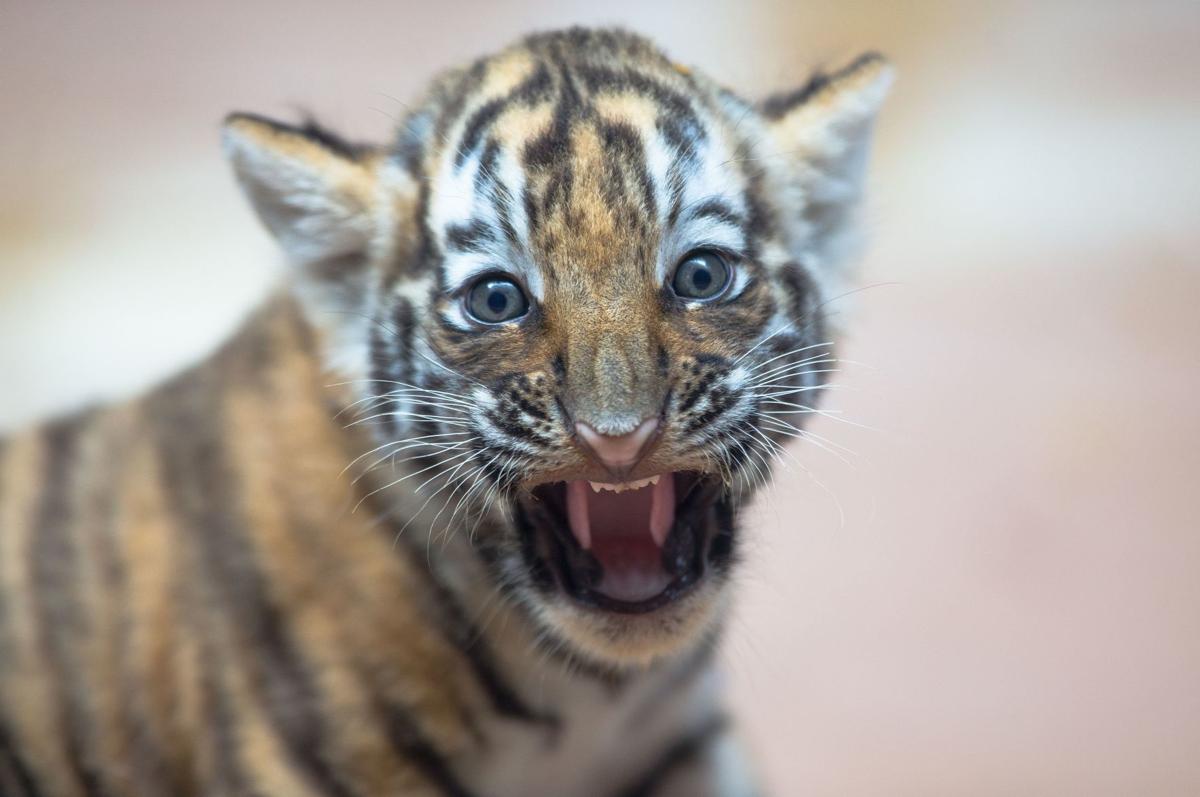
x=471, y=236
x=718, y=210
x=496, y=299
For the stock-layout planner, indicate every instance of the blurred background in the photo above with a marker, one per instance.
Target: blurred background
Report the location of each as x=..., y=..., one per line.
x=996, y=590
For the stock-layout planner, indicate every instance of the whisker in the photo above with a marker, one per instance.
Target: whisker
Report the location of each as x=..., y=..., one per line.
x=409, y=476
x=793, y=352
x=479, y=471
x=788, y=367
x=431, y=496
x=442, y=399
x=416, y=415
x=405, y=386
x=786, y=326
x=791, y=391
x=833, y=415
x=407, y=440
x=784, y=428
x=799, y=373
x=391, y=456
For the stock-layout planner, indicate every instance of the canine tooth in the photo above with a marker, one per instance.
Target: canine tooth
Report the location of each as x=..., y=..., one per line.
x=653, y=480
x=596, y=486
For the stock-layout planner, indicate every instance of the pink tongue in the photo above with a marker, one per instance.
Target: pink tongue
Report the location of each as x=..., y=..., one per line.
x=632, y=512
x=625, y=531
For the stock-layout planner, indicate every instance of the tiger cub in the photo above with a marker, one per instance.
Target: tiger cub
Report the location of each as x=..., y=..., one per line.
x=455, y=513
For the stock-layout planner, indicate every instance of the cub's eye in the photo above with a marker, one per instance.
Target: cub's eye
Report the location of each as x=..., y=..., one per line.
x=495, y=299
x=703, y=274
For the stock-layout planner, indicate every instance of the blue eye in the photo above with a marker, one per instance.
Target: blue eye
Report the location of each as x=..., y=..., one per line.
x=495, y=299
x=702, y=274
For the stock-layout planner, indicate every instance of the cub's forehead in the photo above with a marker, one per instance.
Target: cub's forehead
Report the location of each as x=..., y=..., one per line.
x=600, y=156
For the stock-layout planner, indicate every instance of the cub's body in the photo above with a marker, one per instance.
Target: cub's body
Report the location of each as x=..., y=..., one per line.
x=355, y=552
x=192, y=604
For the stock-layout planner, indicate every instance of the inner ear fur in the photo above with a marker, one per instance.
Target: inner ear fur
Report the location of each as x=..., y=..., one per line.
x=824, y=127
x=312, y=189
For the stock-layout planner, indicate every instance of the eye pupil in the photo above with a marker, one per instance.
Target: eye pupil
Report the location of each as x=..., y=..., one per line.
x=703, y=274
x=495, y=299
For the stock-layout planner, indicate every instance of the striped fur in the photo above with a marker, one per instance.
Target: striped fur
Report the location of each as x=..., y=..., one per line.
x=310, y=565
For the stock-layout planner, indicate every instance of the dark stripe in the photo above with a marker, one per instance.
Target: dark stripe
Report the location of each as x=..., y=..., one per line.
x=475, y=126
x=200, y=484
x=720, y=401
x=559, y=649
x=599, y=78
x=721, y=551
x=407, y=738
x=691, y=396
x=501, y=196
x=473, y=236
x=679, y=754
x=681, y=137
x=779, y=105
x=311, y=130
x=487, y=184
x=534, y=558
x=679, y=124
x=146, y=768
x=554, y=146
x=422, y=458
x=425, y=256
x=663, y=361
x=228, y=776
x=453, y=96
x=486, y=176
x=60, y=616
x=760, y=221
x=676, y=183
x=627, y=152
x=802, y=301
x=14, y=772
x=536, y=88
x=381, y=361
x=404, y=319
x=720, y=211
x=558, y=190
x=468, y=638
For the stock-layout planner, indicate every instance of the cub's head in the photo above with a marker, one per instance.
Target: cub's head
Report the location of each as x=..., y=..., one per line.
x=580, y=297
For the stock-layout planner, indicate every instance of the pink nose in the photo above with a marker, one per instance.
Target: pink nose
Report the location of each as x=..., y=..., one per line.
x=618, y=451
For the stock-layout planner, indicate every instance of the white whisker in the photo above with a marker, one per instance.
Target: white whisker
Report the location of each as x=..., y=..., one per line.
x=409, y=476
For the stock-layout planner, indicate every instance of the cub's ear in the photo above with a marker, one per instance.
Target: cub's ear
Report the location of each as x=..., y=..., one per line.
x=311, y=189
x=823, y=130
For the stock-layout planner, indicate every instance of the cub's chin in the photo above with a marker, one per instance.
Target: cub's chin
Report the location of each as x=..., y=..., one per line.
x=628, y=573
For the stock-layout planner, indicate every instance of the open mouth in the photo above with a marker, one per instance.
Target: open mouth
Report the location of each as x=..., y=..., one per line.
x=631, y=547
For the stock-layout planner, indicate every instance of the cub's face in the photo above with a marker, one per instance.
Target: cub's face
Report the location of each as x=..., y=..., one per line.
x=593, y=283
